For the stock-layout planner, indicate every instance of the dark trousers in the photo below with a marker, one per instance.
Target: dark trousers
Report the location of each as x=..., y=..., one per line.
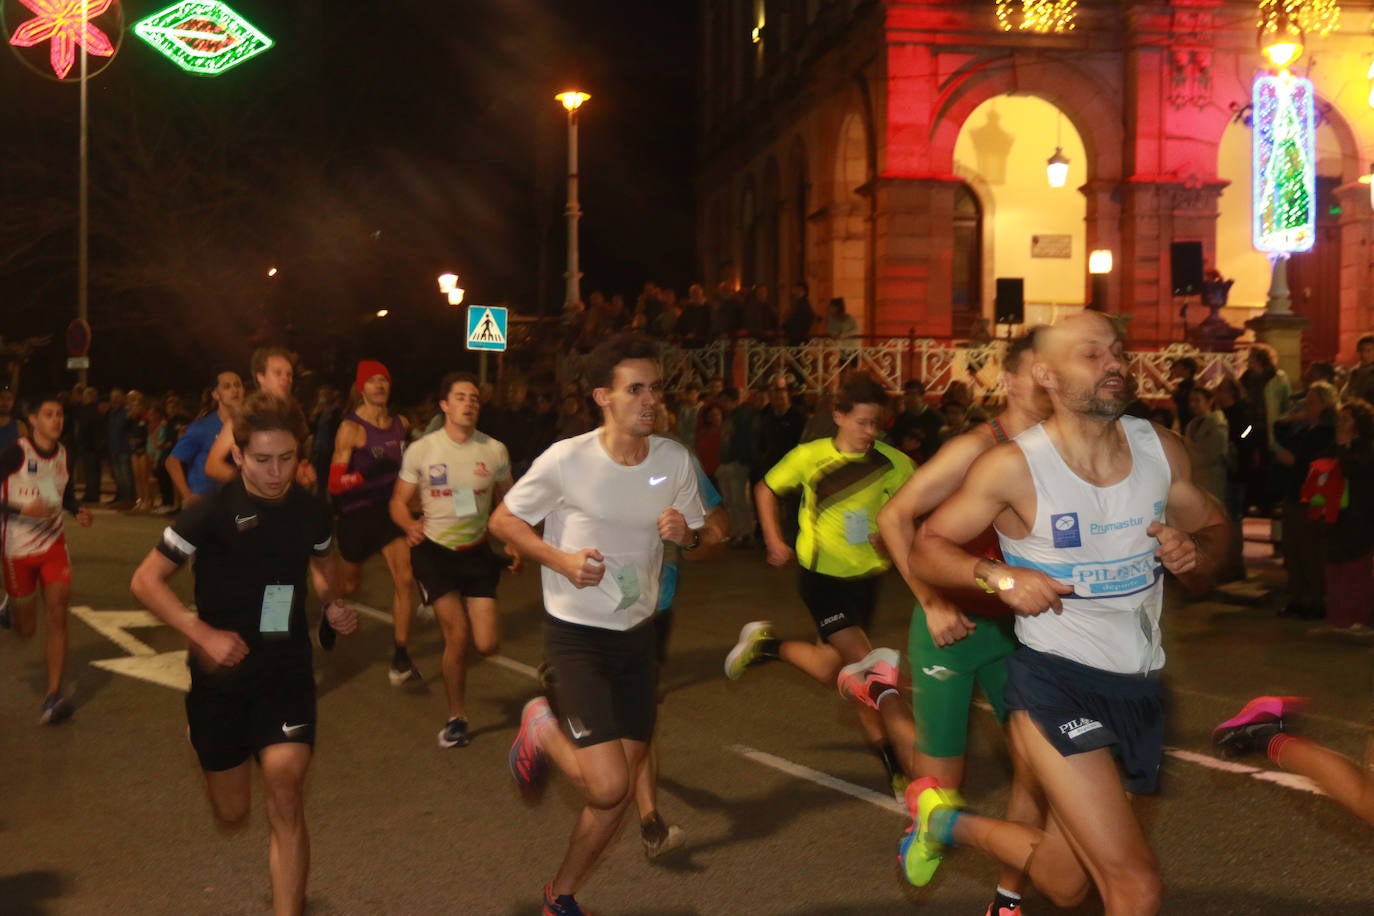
x=90, y=469
x=122, y=468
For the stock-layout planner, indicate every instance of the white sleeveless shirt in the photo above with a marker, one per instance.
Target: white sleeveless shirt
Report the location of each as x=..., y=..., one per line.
x=1094, y=539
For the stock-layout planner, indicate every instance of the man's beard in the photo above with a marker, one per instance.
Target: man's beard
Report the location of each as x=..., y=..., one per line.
x=1099, y=404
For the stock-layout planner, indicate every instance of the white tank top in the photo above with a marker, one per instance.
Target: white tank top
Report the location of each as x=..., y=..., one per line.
x=38, y=478
x=1094, y=539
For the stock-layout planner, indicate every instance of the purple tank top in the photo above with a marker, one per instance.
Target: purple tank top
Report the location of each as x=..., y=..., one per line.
x=381, y=446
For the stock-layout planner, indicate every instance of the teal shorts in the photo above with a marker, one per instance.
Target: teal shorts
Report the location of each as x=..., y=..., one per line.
x=942, y=681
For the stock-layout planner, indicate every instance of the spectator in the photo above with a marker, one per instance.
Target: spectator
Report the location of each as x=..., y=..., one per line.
x=839, y=324
x=1267, y=388
x=666, y=326
x=161, y=438
x=88, y=441
x=1209, y=443
x=1184, y=373
x=737, y=450
x=325, y=418
x=136, y=429
x=708, y=439
x=725, y=312
x=758, y=318
x=618, y=317
x=117, y=450
x=1350, y=538
x=1300, y=442
x=1240, y=429
x=916, y=427
x=694, y=324
x=574, y=418
x=780, y=431
x=516, y=424
x=688, y=409
x=800, y=323
x=1361, y=383
x=12, y=429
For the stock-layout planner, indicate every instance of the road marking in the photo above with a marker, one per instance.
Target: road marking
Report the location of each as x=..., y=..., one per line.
x=1287, y=780
x=166, y=669
x=886, y=802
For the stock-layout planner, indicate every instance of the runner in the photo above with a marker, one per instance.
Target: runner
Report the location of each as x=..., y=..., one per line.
x=1079, y=503
x=459, y=473
x=186, y=464
x=1262, y=728
x=367, y=457
x=844, y=481
x=274, y=372
x=252, y=688
x=952, y=647
x=608, y=499
x=35, y=486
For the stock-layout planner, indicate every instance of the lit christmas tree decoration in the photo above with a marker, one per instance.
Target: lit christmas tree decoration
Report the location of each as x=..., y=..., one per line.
x=66, y=25
x=1284, y=157
x=1037, y=15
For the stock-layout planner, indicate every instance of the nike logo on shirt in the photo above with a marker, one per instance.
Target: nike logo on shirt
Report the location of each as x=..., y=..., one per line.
x=655, y=481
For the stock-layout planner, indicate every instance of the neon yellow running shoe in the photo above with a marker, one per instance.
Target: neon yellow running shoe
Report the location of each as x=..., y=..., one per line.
x=920, y=853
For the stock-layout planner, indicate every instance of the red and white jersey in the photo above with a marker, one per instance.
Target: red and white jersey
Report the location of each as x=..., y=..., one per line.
x=28, y=474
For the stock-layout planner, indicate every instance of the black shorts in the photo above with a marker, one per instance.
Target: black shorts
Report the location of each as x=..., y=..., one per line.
x=268, y=699
x=604, y=680
x=472, y=573
x=1080, y=709
x=365, y=531
x=838, y=603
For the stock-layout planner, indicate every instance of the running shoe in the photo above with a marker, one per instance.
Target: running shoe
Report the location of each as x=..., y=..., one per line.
x=528, y=762
x=869, y=678
x=55, y=709
x=995, y=910
x=454, y=733
x=659, y=838
x=405, y=676
x=562, y=905
x=746, y=651
x=920, y=853
x=5, y=613
x=1249, y=731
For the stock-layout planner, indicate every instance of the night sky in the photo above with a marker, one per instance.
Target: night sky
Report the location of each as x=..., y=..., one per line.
x=374, y=147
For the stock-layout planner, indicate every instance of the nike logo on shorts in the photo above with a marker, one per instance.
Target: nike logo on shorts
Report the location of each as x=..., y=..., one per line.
x=292, y=731
x=578, y=729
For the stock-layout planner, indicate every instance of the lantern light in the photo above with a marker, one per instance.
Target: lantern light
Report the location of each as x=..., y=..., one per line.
x=1100, y=261
x=1057, y=168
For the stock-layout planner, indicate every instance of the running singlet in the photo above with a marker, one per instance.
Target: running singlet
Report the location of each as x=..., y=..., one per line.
x=841, y=496
x=585, y=499
x=378, y=460
x=27, y=474
x=456, y=484
x=1094, y=539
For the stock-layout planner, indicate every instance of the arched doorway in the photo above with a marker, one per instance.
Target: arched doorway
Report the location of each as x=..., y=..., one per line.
x=849, y=270
x=967, y=266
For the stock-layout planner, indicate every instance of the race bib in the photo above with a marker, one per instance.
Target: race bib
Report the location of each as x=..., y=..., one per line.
x=627, y=580
x=464, y=502
x=856, y=526
x=276, y=609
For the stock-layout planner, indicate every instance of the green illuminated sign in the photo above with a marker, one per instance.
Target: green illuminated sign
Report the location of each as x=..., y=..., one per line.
x=205, y=37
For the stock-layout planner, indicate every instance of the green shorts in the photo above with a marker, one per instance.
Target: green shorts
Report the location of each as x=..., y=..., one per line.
x=942, y=681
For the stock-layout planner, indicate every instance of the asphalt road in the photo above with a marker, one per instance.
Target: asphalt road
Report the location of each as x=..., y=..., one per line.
x=785, y=811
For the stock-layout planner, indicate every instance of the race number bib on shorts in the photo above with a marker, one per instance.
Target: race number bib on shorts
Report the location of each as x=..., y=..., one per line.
x=276, y=609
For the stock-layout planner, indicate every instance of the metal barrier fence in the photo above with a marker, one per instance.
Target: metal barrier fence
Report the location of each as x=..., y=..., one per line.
x=818, y=365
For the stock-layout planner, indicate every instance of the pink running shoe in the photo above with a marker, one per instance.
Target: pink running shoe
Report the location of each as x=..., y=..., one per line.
x=869, y=678
x=1249, y=730
x=528, y=762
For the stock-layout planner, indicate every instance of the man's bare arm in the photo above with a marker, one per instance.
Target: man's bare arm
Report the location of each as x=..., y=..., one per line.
x=582, y=568
x=218, y=465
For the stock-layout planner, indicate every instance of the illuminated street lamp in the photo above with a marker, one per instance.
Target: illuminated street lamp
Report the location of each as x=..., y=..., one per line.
x=1099, y=271
x=1283, y=44
x=572, y=100
x=448, y=286
x=271, y=271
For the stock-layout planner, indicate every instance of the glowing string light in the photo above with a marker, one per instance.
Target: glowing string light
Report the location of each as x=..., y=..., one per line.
x=1313, y=17
x=205, y=37
x=66, y=24
x=1284, y=157
x=1037, y=15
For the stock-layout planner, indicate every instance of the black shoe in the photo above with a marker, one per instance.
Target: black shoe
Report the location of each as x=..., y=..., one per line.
x=454, y=733
x=327, y=634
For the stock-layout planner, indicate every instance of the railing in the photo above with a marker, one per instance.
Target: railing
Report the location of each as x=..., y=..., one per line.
x=818, y=365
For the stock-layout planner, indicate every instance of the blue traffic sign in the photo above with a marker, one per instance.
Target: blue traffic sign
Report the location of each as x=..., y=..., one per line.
x=486, y=328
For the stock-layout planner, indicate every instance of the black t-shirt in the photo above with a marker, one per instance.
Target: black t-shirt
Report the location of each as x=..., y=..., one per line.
x=241, y=546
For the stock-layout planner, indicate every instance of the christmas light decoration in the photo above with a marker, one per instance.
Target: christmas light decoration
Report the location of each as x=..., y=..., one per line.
x=65, y=24
x=1312, y=17
x=1284, y=158
x=1037, y=15
x=204, y=37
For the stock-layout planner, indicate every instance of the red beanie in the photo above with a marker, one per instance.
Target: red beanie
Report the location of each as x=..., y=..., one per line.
x=368, y=368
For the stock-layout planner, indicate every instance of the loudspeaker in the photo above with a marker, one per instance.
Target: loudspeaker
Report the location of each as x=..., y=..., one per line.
x=1185, y=268
x=1010, y=305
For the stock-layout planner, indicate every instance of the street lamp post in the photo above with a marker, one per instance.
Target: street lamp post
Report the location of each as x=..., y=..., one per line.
x=572, y=101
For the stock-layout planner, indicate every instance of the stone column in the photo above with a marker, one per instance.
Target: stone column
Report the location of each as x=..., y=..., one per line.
x=913, y=249
x=1357, y=266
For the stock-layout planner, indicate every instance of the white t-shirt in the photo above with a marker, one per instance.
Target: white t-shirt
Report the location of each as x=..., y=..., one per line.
x=585, y=499
x=456, y=484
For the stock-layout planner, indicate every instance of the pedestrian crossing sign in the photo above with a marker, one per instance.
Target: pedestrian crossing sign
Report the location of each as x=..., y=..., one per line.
x=486, y=328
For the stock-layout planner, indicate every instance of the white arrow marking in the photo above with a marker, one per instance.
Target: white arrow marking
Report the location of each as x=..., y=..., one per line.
x=166, y=669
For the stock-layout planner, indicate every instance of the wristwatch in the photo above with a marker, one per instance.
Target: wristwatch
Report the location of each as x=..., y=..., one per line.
x=695, y=543
x=1003, y=583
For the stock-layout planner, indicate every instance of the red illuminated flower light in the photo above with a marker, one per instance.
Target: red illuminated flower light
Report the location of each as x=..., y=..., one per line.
x=67, y=25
